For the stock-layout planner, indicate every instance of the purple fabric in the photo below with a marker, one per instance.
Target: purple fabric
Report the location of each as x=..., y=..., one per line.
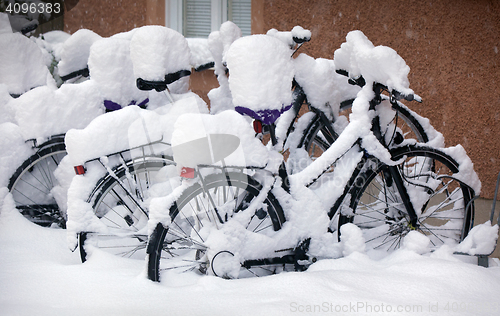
x=113, y=106
x=143, y=103
x=267, y=117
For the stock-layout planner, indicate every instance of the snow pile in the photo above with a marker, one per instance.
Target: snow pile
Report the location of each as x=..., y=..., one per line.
x=200, y=53
x=351, y=239
x=40, y=276
x=53, y=42
x=22, y=63
x=157, y=51
x=325, y=89
x=416, y=242
x=481, y=240
x=125, y=35
x=260, y=73
x=75, y=105
x=44, y=111
x=466, y=173
x=7, y=111
x=13, y=151
x=75, y=51
x=218, y=43
x=111, y=68
x=128, y=128
x=359, y=57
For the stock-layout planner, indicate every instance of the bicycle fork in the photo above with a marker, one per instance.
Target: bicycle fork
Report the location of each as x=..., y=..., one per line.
x=397, y=179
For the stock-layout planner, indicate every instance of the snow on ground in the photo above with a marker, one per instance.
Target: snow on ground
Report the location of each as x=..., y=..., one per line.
x=39, y=275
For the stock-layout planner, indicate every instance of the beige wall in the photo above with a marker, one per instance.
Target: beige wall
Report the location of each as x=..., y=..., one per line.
x=108, y=17
x=451, y=46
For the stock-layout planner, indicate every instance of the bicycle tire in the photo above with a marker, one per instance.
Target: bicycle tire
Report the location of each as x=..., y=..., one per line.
x=414, y=127
x=241, y=189
x=318, y=139
x=32, y=182
x=118, y=201
x=374, y=204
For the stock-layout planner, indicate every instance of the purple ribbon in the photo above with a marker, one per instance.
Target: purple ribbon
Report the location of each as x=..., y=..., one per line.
x=113, y=106
x=267, y=116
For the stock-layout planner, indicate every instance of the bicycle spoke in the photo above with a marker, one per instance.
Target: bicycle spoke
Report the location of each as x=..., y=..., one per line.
x=441, y=200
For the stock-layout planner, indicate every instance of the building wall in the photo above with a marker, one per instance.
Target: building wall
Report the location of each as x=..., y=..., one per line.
x=106, y=17
x=451, y=46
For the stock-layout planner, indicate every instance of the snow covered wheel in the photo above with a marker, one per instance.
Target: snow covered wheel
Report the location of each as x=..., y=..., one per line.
x=33, y=181
x=119, y=201
x=178, y=247
x=439, y=199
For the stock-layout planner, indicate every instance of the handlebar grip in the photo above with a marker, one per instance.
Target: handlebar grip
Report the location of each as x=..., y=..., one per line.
x=82, y=72
x=300, y=40
x=399, y=96
x=151, y=85
x=342, y=72
x=161, y=85
x=359, y=81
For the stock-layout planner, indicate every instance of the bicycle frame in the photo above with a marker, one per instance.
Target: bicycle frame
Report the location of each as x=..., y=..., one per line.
x=350, y=145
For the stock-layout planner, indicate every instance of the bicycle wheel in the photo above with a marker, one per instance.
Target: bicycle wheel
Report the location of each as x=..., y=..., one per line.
x=119, y=201
x=180, y=247
x=32, y=182
x=439, y=199
x=399, y=123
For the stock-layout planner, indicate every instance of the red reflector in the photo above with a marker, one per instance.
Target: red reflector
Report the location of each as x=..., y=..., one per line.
x=187, y=172
x=257, y=126
x=79, y=169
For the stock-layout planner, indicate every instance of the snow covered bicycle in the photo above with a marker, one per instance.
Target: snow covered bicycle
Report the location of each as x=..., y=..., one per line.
x=256, y=218
x=117, y=186
x=32, y=183
x=122, y=155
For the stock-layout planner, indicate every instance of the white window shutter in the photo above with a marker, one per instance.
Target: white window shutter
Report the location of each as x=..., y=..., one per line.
x=197, y=18
x=240, y=12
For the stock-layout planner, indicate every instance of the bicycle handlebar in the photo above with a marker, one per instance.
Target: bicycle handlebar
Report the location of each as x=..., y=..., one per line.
x=301, y=40
x=82, y=72
x=294, y=38
x=360, y=81
x=161, y=85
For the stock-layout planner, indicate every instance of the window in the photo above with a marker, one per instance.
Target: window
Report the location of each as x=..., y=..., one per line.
x=240, y=12
x=197, y=18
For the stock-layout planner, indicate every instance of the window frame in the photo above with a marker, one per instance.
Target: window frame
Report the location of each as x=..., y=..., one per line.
x=174, y=14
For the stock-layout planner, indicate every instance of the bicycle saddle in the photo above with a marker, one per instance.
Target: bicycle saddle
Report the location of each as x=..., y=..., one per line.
x=160, y=56
x=261, y=73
